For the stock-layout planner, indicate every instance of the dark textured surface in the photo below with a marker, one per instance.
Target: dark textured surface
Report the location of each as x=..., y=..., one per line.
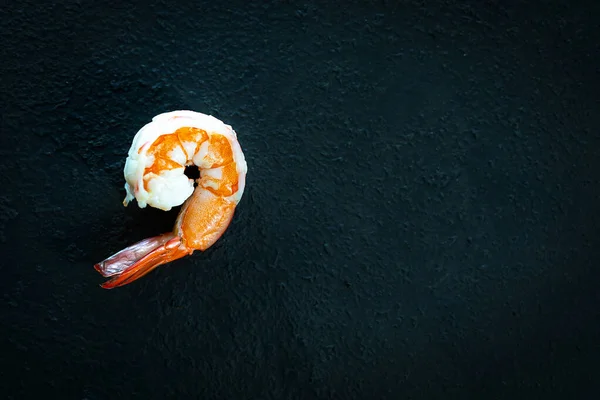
x=420, y=219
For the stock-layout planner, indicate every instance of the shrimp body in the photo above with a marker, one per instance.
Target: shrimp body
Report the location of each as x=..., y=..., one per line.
x=155, y=176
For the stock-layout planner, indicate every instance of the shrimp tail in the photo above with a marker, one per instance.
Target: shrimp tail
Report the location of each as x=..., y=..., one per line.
x=140, y=258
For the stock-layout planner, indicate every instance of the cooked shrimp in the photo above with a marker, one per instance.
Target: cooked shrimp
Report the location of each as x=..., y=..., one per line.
x=155, y=176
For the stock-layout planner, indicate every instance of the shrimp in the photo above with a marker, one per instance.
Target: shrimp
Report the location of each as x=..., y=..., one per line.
x=155, y=175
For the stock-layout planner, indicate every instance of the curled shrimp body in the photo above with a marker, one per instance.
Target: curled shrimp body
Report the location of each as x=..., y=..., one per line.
x=155, y=176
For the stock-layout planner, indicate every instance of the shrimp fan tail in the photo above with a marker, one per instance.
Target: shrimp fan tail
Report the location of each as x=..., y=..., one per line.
x=140, y=258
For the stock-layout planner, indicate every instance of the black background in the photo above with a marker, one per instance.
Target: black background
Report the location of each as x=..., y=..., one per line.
x=420, y=218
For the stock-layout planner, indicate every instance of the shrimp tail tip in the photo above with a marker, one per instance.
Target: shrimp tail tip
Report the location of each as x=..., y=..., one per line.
x=140, y=258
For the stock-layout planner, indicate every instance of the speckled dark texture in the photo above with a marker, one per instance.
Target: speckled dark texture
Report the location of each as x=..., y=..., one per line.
x=421, y=214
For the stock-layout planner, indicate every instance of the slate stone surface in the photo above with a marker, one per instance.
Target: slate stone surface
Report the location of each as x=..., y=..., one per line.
x=420, y=219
